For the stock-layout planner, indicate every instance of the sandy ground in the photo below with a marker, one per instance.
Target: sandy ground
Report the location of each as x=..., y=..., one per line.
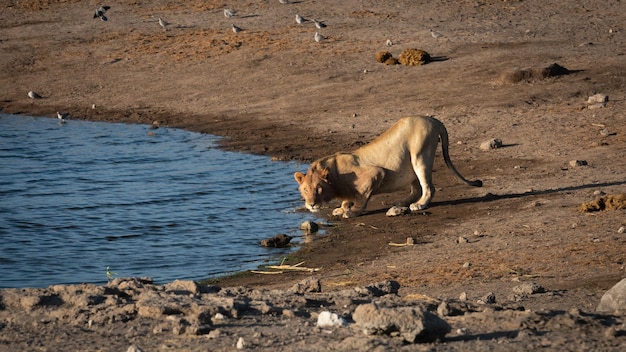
x=272, y=90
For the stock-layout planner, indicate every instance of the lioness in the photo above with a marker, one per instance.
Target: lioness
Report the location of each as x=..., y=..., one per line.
x=401, y=156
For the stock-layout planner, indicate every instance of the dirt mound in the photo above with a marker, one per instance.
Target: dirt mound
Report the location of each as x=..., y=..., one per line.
x=517, y=75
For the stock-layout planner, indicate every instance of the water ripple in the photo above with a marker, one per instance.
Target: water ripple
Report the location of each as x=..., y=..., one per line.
x=78, y=197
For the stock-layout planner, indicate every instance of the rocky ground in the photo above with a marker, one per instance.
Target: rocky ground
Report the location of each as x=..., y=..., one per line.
x=272, y=89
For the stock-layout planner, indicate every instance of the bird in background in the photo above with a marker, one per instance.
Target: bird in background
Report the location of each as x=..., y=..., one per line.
x=318, y=37
x=236, y=29
x=163, y=23
x=319, y=24
x=300, y=19
x=228, y=13
x=100, y=13
x=435, y=35
x=62, y=117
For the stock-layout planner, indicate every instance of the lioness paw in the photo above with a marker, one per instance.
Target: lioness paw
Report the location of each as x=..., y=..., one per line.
x=416, y=207
x=339, y=212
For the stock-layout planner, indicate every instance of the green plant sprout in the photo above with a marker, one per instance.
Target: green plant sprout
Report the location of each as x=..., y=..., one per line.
x=110, y=274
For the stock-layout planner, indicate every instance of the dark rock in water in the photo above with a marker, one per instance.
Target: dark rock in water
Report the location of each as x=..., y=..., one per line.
x=279, y=241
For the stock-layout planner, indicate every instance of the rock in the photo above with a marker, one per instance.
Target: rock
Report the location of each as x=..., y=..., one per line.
x=577, y=163
x=621, y=229
x=597, y=99
x=183, y=287
x=241, y=343
x=327, y=319
x=380, y=288
x=279, y=241
x=494, y=143
x=462, y=239
x=33, y=95
x=411, y=323
x=397, y=211
x=309, y=227
x=310, y=284
x=134, y=348
x=528, y=288
x=614, y=299
x=489, y=298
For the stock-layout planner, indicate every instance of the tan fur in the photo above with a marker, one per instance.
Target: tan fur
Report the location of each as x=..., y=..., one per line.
x=402, y=156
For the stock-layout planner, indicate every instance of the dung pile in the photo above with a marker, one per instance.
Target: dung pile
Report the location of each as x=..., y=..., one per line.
x=409, y=57
x=609, y=202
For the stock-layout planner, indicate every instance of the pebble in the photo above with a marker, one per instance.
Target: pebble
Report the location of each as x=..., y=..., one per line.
x=241, y=343
x=462, y=240
x=467, y=265
x=493, y=143
x=327, y=319
x=309, y=226
x=576, y=163
x=489, y=298
x=621, y=229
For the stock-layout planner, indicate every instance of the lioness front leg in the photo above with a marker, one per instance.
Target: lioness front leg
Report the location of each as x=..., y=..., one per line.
x=343, y=209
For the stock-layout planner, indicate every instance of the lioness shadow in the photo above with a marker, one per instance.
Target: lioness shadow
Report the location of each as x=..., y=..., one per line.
x=490, y=197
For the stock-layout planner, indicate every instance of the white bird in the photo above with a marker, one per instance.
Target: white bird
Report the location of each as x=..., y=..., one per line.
x=62, y=117
x=318, y=37
x=100, y=12
x=236, y=29
x=33, y=95
x=163, y=23
x=389, y=42
x=228, y=13
x=319, y=24
x=435, y=35
x=300, y=19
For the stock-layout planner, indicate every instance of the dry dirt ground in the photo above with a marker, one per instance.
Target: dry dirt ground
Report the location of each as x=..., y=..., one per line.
x=271, y=89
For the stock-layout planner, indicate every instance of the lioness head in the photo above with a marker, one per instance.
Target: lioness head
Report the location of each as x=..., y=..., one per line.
x=314, y=187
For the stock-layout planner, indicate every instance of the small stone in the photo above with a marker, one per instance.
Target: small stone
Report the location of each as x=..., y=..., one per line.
x=327, y=319
x=411, y=241
x=491, y=144
x=621, y=229
x=461, y=239
x=463, y=296
x=134, y=348
x=279, y=241
x=309, y=226
x=466, y=265
x=397, y=211
x=577, y=163
x=598, y=99
x=213, y=334
x=241, y=343
x=605, y=132
x=489, y=298
x=528, y=288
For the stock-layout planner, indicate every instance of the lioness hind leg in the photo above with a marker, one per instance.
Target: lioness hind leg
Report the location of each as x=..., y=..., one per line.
x=416, y=191
x=428, y=190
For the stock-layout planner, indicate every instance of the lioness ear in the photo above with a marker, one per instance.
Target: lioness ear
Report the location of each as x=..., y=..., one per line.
x=299, y=176
x=324, y=174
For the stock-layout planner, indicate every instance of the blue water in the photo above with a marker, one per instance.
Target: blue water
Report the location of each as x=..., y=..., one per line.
x=81, y=196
